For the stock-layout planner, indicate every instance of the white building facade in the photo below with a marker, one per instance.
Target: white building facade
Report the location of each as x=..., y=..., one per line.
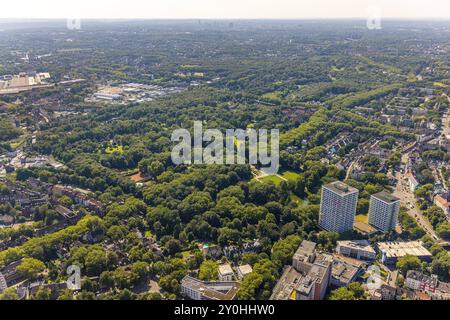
x=383, y=211
x=338, y=207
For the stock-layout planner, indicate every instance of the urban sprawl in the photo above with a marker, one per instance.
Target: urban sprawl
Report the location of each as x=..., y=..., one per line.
x=359, y=209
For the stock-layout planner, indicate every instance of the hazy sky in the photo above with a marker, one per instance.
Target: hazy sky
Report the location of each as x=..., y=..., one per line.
x=223, y=9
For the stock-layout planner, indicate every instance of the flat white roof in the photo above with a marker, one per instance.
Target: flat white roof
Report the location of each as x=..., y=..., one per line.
x=400, y=249
x=245, y=269
x=357, y=244
x=225, y=269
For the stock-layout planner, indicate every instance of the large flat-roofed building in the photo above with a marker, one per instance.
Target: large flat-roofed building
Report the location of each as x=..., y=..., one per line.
x=22, y=82
x=356, y=249
x=285, y=289
x=338, y=207
x=345, y=270
x=383, y=211
x=391, y=251
x=106, y=96
x=204, y=290
x=304, y=256
x=307, y=278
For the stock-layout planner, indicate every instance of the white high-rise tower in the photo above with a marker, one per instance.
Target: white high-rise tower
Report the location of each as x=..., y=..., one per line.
x=383, y=211
x=338, y=207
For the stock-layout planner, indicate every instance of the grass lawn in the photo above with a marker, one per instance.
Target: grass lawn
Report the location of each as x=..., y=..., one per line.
x=272, y=95
x=290, y=175
x=275, y=179
x=361, y=218
x=299, y=200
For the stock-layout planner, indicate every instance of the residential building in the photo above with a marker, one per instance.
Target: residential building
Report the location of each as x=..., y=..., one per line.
x=388, y=292
x=308, y=278
x=356, y=249
x=225, y=272
x=419, y=282
x=10, y=275
x=212, y=251
x=338, y=207
x=251, y=246
x=3, y=284
x=391, y=251
x=413, y=184
x=383, y=211
x=232, y=252
x=345, y=270
x=204, y=290
x=416, y=280
x=54, y=288
x=80, y=196
x=442, y=203
x=304, y=256
x=243, y=270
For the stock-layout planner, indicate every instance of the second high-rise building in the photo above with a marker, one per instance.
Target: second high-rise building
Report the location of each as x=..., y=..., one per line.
x=383, y=211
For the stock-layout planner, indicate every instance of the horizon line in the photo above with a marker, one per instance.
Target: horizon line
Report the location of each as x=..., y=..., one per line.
x=225, y=18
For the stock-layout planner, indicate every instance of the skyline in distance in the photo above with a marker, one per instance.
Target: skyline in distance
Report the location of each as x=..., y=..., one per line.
x=221, y=9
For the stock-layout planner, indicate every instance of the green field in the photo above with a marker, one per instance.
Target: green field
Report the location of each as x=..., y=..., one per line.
x=275, y=179
x=273, y=96
x=290, y=175
x=299, y=200
x=361, y=218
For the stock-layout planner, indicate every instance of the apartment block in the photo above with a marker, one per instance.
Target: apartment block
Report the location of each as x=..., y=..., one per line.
x=307, y=278
x=383, y=211
x=338, y=207
x=356, y=249
x=225, y=272
x=208, y=290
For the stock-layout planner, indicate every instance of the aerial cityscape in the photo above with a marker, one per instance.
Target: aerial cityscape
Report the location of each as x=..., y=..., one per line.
x=94, y=207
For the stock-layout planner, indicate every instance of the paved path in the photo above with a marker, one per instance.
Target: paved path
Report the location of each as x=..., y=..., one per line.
x=259, y=174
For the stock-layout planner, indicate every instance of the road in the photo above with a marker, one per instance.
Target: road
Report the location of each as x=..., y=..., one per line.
x=408, y=199
x=446, y=129
x=350, y=168
x=446, y=122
